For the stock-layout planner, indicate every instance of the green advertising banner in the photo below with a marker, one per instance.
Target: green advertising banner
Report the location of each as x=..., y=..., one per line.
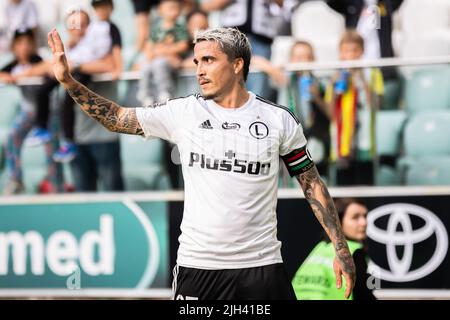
x=84, y=245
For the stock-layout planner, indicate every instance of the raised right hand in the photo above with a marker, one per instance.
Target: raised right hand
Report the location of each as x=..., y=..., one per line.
x=60, y=64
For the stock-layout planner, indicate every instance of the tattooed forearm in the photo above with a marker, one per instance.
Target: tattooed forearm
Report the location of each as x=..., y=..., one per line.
x=323, y=207
x=112, y=116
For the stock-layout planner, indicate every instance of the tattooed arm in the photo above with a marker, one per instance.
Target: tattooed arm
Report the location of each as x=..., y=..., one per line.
x=316, y=193
x=112, y=116
x=109, y=114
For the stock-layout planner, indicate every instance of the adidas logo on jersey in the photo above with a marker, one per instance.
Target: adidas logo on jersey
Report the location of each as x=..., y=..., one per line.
x=205, y=125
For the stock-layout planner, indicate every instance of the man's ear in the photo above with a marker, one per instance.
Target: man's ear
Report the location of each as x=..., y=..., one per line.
x=238, y=65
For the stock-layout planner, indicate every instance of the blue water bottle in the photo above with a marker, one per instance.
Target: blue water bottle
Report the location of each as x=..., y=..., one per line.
x=305, y=86
x=341, y=84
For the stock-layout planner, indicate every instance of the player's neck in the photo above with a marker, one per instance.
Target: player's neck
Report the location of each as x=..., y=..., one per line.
x=236, y=98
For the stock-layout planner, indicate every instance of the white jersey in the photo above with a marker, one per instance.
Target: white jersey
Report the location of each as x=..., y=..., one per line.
x=230, y=163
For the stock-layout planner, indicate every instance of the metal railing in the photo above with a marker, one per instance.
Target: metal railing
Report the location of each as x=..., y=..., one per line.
x=289, y=67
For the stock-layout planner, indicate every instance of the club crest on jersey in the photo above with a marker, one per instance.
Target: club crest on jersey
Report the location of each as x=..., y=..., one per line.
x=230, y=126
x=259, y=130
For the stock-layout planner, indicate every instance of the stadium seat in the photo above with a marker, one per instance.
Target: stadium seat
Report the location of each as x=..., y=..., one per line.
x=389, y=125
x=281, y=49
x=141, y=162
x=427, y=134
x=308, y=24
x=3, y=136
x=428, y=90
x=186, y=85
x=427, y=171
x=429, y=45
x=420, y=17
x=387, y=176
x=422, y=29
x=9, y=104
x=393, y=91
x=5, y=58
x=308, y=21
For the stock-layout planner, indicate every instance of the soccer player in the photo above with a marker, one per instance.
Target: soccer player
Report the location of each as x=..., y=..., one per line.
x=230, y=142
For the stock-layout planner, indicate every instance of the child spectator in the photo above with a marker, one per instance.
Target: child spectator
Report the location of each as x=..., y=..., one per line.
x=306, y=97
x=23, y=47
x=354, y=96
x=92, y=48
x=18, y=14
x=169, y=40
x=196, y=20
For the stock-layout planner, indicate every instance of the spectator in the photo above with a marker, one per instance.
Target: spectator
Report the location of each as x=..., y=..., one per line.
x=23, y=47
x=18, y=14
x=97, y=165
x=188, y=6
x=142, y=11
x=22, y=14
x=253, y=18
x=306, y=94
x=169, y=40
x=315, y=278
x=93, y=48
x=354, y=96
x=373, y=21
x=196, y=20
x=164, y=50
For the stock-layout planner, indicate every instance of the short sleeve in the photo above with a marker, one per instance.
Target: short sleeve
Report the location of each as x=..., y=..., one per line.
x=8, y=68
x=115, y=36
x=35, y=59
x=293, y=148
x=161, y=119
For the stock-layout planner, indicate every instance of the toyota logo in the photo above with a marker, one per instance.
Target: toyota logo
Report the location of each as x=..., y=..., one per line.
x=400, y=214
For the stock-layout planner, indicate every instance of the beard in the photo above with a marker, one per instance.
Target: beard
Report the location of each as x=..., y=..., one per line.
x=209, y=95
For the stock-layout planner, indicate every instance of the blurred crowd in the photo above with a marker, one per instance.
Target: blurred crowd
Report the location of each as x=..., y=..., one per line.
x=337, y=112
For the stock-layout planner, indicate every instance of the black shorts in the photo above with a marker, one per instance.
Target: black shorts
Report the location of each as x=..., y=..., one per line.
x=260, y=283
x=143, y=6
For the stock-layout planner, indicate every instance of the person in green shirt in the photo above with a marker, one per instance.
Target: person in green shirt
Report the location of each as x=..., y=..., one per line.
x=163, y=52
x=315, y=279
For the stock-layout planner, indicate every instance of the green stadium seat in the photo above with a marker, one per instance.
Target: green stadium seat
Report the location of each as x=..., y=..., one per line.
x=389, y=125
x=10, y=97
x=392, y=94
x=9, y=106
x=5, y=58
x=3, y=137
x=387, y=176
x=428, y=90
x=141, y=163
x=427, y=171
x=427, y=134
